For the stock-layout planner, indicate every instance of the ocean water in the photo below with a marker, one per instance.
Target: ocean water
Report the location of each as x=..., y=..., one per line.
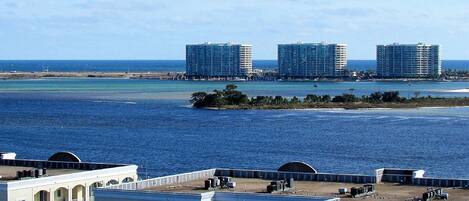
x=150, y=123
x=163, y=65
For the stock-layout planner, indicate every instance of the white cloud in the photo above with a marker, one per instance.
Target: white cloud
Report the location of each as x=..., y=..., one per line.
x=118, y=25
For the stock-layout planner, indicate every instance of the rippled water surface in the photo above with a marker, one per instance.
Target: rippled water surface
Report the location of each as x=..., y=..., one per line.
x=149, y=123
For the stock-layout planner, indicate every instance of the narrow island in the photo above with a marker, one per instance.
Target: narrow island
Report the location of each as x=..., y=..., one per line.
x=230, y=98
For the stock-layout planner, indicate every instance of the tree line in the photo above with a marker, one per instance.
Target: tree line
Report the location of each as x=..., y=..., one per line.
x=231, y=96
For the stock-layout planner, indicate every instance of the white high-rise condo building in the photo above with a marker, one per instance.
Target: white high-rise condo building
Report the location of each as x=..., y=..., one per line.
x=218, y=60
x=306, y=60
x=408, y=61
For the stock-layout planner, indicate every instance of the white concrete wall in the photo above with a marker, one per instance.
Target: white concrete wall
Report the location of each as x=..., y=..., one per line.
x=166, y=180
x=73, y=184
x=136, y=191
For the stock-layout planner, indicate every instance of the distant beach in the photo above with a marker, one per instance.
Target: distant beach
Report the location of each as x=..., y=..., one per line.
x=163, y=65
x=91, y=74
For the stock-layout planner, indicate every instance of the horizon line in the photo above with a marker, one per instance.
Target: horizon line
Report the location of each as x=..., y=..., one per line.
x=176, y=59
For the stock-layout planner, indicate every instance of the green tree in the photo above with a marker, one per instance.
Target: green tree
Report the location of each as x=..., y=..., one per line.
x=278, y=100
x=258, y=100
x=326, y=98
x=376, y=97
x=236, y=98
x=231, y=87
x=198, y=96
x=218, y=93
x=344, y=98
x=391, y=96
x=295, y=100
x=312, y=98
x=213, y=100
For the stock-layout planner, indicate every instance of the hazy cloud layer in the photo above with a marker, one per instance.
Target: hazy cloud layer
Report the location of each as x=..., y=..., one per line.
x=152, y=29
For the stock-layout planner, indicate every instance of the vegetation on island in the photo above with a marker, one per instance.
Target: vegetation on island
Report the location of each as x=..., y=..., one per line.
x=230, y=98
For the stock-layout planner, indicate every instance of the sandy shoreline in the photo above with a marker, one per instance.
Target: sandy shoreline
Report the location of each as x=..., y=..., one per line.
x=337, y=108
x=434, y=104
x=178, y=76
x=129, y=75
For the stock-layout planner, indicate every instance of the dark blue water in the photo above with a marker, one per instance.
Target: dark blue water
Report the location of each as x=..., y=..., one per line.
x=163, y=65
x=147, y=122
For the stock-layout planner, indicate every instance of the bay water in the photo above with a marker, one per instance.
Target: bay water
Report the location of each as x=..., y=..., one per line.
x=150, y=123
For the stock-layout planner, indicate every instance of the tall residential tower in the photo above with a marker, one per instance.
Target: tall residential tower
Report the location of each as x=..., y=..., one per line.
x=306, y=60
x=218, y=60
x=408, y=61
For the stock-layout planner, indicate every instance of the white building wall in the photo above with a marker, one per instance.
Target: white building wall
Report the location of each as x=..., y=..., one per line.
x=25, y=190
x=136, y=191
x=312, y=59
x=408, y=60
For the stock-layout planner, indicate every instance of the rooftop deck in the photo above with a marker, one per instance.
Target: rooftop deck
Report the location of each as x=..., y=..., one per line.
x=391, y=184
x=8, y=173
x=385, y=191
x=60, y=163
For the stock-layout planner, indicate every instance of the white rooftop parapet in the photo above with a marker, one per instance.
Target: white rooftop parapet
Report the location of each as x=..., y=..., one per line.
x=7, y=155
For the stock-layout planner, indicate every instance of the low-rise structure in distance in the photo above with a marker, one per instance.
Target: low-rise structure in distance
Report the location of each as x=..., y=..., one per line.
x=311, y=60
x=210, y=60
x=63, y=177
x=408, y=61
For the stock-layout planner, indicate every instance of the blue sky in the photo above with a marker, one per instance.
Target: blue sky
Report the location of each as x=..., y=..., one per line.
x=154, y=29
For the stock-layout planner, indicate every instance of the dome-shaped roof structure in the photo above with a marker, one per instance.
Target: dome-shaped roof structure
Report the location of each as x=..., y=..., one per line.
x=297, y=166
x=65, y=156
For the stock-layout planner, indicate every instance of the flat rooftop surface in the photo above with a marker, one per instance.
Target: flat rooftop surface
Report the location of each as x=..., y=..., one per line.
x=387, y=191
x=8, y=173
